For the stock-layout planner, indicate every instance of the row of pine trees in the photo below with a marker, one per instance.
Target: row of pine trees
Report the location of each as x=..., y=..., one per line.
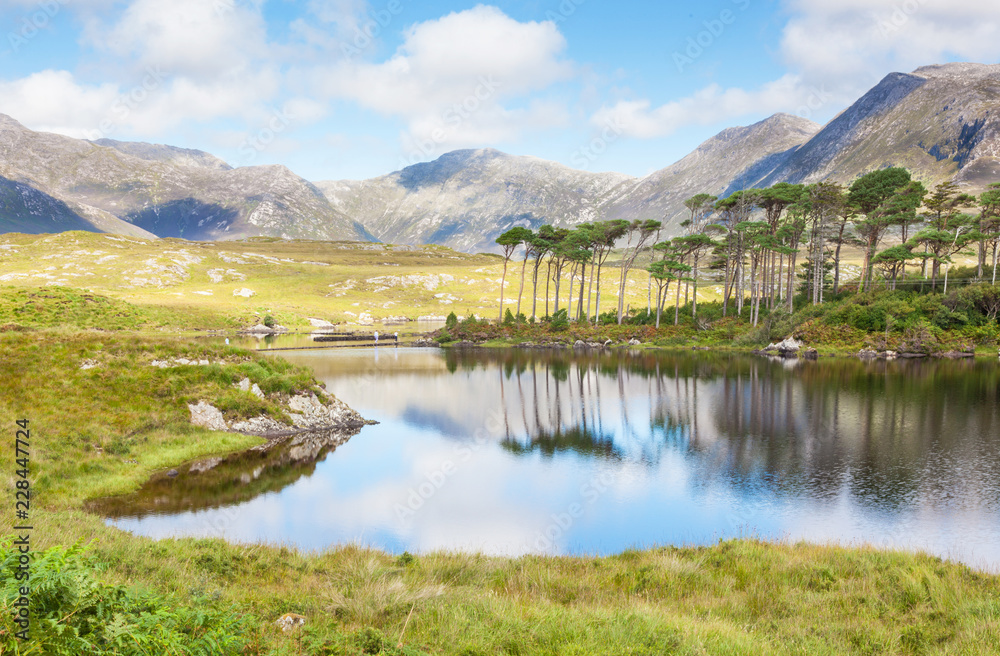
x=754, y=238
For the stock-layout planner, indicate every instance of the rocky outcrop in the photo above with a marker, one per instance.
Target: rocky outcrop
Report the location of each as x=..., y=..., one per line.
x=306, y=410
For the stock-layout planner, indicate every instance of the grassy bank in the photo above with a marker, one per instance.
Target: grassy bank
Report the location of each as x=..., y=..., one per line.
x=907, y=322
x=736, y=597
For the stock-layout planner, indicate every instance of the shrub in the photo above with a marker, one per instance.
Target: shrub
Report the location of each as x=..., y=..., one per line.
x=269, y=321
x=451, y=321
x=560, y=321
x=72, y=612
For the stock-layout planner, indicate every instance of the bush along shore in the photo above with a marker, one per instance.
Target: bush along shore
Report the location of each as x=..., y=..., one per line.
x=883, y=323
x=108, y=409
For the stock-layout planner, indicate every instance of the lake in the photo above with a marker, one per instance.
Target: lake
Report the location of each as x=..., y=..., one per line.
x=514, y=452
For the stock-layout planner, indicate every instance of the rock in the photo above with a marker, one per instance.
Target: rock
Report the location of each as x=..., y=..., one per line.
x=173, y=473
x=247, y=387
x=579, y=344
x=956, y=355
x=259, y=329
x=320, y=323
x=89, y=364
x=162, y=364
x=432, y=317
x=810, y=354
x=244, y=292
x=634, y=342
x=207, y=416
x=289, y=622
x=307, y=411
x=867, y=354
x=608, y=343
x=259, y=426
x=789, y=345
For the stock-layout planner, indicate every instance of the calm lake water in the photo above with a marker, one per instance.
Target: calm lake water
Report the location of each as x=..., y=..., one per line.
x=524, y=452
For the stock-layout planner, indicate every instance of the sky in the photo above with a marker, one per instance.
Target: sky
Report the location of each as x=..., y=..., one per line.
x=353, y=89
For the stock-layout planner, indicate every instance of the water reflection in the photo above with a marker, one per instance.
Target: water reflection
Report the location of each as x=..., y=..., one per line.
x=488, y=450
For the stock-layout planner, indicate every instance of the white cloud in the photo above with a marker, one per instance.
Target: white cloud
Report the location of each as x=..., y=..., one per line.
x=834, y=50
x=853, y=43
x=52, y=101
x=709, y=105
x=198, y=39
x=451, y=77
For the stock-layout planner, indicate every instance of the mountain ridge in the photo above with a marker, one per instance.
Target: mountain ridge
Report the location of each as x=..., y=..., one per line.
x=940, y=121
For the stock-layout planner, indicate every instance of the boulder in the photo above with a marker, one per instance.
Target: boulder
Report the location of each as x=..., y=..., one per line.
x=867, y=354
x=810, y=354
x=634, y=342
x=789, y=345
x=244, y=292
x=207, y=416
x=247, y=387
x=289, y=622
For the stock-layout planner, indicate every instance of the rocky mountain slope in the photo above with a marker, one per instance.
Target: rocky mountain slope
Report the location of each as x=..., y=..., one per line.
x=52, y=183
x=466, y=198
x=939, y=121
x=733, y=159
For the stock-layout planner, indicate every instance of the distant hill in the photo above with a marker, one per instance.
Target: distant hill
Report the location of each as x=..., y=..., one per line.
x=466, y=198
x=52, y=183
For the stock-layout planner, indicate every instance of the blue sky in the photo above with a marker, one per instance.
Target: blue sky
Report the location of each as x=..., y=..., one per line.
x=350, y=89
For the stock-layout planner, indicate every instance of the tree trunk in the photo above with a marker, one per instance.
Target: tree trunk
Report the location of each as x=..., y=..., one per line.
x=694, y=288
x=503, y=280
x=521, y=290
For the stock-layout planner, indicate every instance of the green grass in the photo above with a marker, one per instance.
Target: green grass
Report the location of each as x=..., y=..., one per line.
x=736, y=597
x=103, y=430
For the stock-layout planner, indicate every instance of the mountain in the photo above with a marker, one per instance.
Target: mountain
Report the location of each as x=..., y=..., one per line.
x=51, y=183
x=464, y=199
x=940, y=122
x=731, y=160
